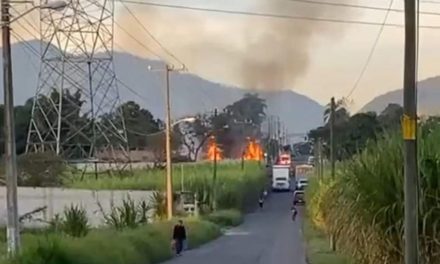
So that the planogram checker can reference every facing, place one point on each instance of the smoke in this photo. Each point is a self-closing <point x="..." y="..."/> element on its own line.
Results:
<point x="252" y="52"/>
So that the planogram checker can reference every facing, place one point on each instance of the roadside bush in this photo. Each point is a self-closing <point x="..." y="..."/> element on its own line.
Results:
<point x="74" y="222"/>
<point x="143" y="245"/>
<point x="159" y="205"/>
<point x="40" y="170"/>
<point x="225" y="217"/>
<point x="364" y="205"/>
<point x="130" y="214"/>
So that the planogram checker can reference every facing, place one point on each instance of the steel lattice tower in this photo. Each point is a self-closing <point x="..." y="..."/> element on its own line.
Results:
<point x="76" y="106"/>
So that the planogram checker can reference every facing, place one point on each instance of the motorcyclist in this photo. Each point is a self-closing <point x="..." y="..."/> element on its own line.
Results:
<point x="294" y="212"/>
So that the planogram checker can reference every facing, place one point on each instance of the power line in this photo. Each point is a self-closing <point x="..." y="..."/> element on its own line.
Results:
<point x="370" y="55"/>
<point x="376" y="8"/>
<point x="138" y="41"/>
<point x="151" y="35"/>
<point x="271" y="15"/>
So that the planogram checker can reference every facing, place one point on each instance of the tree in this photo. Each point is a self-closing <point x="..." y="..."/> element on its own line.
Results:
<point x="22" y="118"/>
<point x="250" y="109"/>
<point x="391" y="116"/>
<point x="341" y="112"/>
<point x="351" y="134"/>
<point x="139" y="122"/>
<point x="194" y="135"/>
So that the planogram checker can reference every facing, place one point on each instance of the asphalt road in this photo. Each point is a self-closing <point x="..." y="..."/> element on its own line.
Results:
<point x="267" y="236"/>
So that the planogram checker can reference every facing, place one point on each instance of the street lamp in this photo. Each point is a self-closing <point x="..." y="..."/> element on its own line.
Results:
<point x="175" y="123"/>
<point x="12" y="229"/>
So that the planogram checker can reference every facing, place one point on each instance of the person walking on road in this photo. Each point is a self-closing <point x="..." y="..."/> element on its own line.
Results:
<point x="179" y="237"/>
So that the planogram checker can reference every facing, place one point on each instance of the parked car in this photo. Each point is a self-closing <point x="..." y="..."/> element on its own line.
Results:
<point x="302" y="183"/>
<point x="298" y="198"/>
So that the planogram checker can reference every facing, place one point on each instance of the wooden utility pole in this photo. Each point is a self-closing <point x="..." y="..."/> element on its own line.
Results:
<point x="409" y="127"/>
<point x="332" y="136"/>
<point x="12" y="225"/>
<point x="214" y="171"/>
<point x="169" y="176"/>
<point x="318" y="158"/>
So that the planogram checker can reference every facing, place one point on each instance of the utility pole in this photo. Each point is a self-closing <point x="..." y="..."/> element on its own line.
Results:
<point x="12" y="229"/>
<point x="332" y="155"/>
<point x="409" y="127"/>
<point x="169" y="176"/>
<point x="317" y="153"/>
<point x="321" y="160"/>
<point x="214" y="171"/>
<point x="332" y="136"/>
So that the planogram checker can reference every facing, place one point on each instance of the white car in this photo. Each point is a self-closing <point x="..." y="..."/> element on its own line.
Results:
<point x="301" y="184"/>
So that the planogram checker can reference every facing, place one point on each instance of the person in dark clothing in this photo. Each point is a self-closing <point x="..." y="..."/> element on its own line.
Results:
<point x="179" y="237"/>
<point x="261" y="202"/>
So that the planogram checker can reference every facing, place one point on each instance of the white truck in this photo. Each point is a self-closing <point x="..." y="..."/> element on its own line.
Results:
<point x="281" y="178"/>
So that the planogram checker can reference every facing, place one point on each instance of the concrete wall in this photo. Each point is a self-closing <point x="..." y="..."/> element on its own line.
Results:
<point x="57" y="199"/>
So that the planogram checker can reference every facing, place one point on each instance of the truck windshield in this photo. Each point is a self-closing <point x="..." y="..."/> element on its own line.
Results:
<point x="280" y="179"/>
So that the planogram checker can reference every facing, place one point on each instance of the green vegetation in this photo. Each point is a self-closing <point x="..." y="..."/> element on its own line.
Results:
<point x="225" y="218"/>
<point x="237" y="188"/>
<point x="129" y="235"/>
<point x="130" y="214"/>
<point x="74" y="222"/>
<point x="318" y="250"/>
<point x="364" y="206"/>
<point x="353" y="132"/>
<point x="143" y="245"/>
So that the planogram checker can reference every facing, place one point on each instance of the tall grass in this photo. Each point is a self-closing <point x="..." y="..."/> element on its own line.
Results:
<point x="143" y="245"/>
<point x="364" y="206"/>
<point x="236" y="188"/>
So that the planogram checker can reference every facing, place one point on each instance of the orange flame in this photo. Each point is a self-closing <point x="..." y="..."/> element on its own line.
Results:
<point x="253" y="151"/>
<point x="214" y="150"/>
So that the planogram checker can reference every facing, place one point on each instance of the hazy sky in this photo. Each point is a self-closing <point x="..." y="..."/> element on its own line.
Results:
<point x="336" y="52"/>
<point x="313" y="58"/>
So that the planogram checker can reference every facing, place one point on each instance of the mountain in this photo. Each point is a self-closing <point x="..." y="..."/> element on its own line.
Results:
<point x="190" y="94"/>
<point x="428" y="98"/>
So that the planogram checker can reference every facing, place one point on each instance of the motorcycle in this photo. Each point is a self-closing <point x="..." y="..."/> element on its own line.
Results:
<point x="294" y="213"/>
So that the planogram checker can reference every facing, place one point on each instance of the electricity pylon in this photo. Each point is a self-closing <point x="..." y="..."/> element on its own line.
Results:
<point x="76" y="111"/>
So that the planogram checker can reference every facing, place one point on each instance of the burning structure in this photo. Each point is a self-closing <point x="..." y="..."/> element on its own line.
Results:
<point x="253" y="150"/>
<point x="214" y="151"/>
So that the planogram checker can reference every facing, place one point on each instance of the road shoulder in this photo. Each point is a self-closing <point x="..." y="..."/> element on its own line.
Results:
<point x="317" y="247"/>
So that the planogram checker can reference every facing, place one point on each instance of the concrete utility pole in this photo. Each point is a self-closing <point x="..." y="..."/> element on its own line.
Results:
<point x="169" y="176"/>
<point x="214" y="170"/>
<point x="12" y="229"/>
<point x="409" y="127"/>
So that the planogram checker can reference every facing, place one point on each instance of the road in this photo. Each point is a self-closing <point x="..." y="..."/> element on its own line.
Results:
<point x="267" y="236"/>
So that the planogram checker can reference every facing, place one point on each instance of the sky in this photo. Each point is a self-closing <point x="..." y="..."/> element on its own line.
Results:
<point x="316" y="59"/>
<point x="336" y="53"/>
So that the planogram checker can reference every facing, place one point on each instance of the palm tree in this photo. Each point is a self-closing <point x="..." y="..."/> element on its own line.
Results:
<point x="341" y="112"/>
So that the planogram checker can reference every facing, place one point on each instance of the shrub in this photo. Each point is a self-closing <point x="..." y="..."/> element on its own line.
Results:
<point x="225" y="217"/>
<point x="159" y="205"/>
<point x="74" y="222"/>
<point x="129" y="214"/>
<point x="40" y="169"/>
<point x="143" y="245"/>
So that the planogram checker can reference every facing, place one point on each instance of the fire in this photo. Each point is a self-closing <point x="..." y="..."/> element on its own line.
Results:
<point x="214" y="150"/>
<point x="253" y="151"/>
